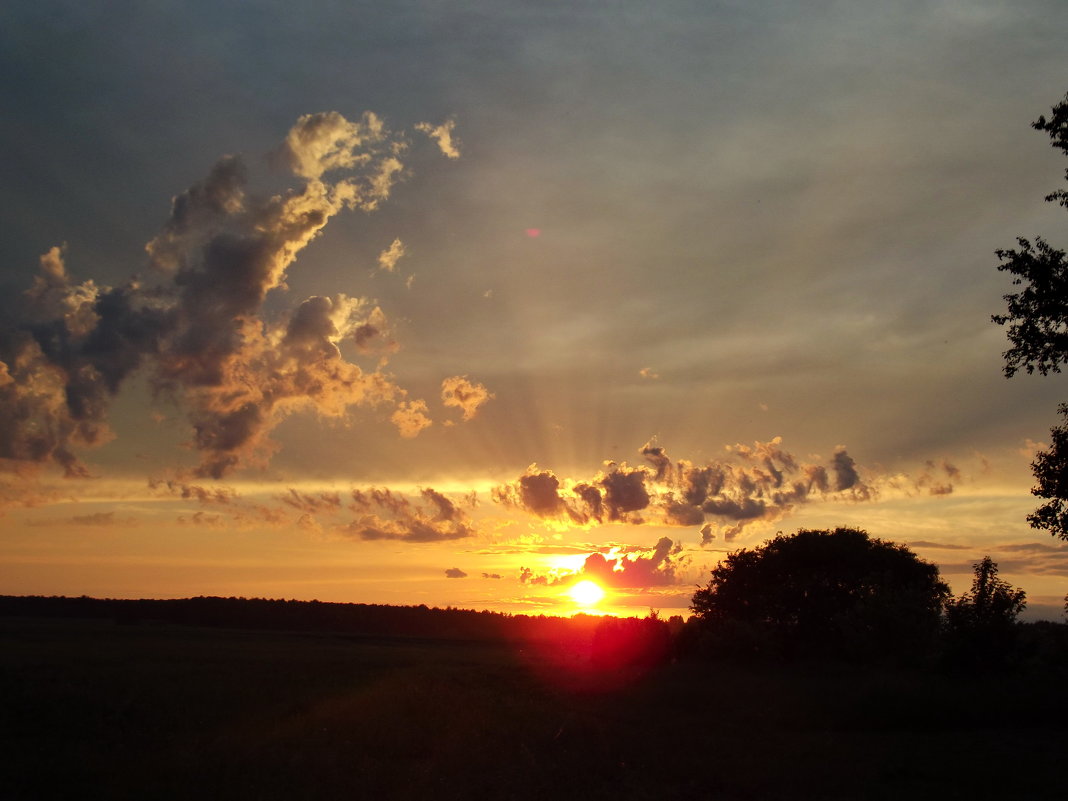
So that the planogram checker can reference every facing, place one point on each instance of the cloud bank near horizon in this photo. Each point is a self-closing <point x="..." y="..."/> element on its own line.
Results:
<point x="758" y="483"/>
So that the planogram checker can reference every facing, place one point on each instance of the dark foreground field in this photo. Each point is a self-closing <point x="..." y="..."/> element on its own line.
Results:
<point x="91" y="709"/>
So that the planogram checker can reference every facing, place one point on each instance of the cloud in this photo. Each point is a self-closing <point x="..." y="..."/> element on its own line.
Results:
<point x="937" y="545"/>
<point x="455" y="572"/>
<point x="388" y="258"/>
<point x="410" y="418"/>
<point x="938" y="478"/>
<point x="205" y="495"/>
<point x="327" y="141"/>
<point x="385" y="515"/>
<point x="460" y="393"/>
<point x="761" y="482"/>
<point x="92" y="520"/>
<point x="442" y="134"/>
<point x="492" y="576"/>
<point x="312" y="503"/>
<point x="648" y="373"/>
<point x="61" y="363"/>
<point x="1024" y="558"/>
<point x="643" y="568"/>
<point x="202" y="325"/>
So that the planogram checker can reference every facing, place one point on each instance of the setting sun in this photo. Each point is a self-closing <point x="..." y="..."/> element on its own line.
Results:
<point x="586" y="593"/>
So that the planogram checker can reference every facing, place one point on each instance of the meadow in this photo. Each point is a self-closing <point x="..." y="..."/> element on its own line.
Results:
<point x="95" y="708"/>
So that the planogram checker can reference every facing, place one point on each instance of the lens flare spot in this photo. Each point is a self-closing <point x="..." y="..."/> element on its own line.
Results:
<point x="586" y="593"/>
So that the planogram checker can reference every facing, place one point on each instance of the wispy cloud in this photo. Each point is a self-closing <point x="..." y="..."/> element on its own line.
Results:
<point x="385" y="515"/>
<point x="443" y="135"/>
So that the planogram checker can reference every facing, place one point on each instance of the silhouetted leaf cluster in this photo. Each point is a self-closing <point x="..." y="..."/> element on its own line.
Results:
<point x="1051" y="470"/>
<point x="1037" y="317"/>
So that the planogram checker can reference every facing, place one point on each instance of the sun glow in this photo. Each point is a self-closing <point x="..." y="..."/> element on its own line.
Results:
<point x="586" y="593"/>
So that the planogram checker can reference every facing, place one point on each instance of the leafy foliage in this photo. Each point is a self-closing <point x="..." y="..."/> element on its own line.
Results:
<point x="827" y="593"/>
<point x="1037" y="317"/>
<point x="1051" y="469"/>
<point x="1038" y="314"/>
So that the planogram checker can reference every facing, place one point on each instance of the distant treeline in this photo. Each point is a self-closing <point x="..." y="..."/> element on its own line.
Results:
<point x="291" y="615"/>
<point x="620" y="640"/>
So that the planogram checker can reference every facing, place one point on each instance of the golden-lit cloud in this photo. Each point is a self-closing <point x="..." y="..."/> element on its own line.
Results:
<point x="642" y="568"/>
<point x="202" y="326"/>
<point x="410" y="418"/>
<point x="461" y="393"/>
<point x="388" y="258"/>
<point x="443" y="135"/>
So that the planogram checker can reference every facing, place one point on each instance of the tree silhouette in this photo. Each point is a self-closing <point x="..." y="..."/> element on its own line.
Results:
<point x="1038" y="329"/>
<point x="982" y="622"/>
<point x="990" y="602"/>
<point x="827" y="593"/>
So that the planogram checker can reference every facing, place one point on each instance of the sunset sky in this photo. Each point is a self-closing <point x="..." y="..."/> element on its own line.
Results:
<point x="463" y="303"/>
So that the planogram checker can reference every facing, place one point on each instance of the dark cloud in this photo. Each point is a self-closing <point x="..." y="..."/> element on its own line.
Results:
<point x="492" y="576"/>
<point x="937" y="478"/>
<point x="205" y="495"/>
<point x="312" y="503"/>
<point x="762" y="482"/>
<point x="62" y="362"/>
<point x="455" y="572"/>
<point x="656" y="456"/>
<point x="845" y="470"/>
<point x="385" y="515"/>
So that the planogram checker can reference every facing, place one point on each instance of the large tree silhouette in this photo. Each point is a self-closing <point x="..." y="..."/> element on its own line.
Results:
<point x="827" y="593"/>
<point x="1037" y="319"/>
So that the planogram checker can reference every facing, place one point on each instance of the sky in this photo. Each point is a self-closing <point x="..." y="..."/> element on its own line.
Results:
<point x="460" y="303"/>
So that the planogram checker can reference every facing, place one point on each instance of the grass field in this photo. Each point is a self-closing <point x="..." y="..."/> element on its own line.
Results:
<point x="92" y="709"/>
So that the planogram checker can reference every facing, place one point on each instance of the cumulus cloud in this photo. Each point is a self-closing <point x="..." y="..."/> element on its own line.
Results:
<point x="455" y="572"/>
<point x="202" y="324"/>
<point x="410" y="418"/>
<point x="385" y="515"/>
<point x="759" y="482"/>
<point x="442" y="134"/>
<point x="459" y="392"/>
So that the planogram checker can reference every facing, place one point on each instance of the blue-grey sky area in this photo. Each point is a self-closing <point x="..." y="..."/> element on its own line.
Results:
<point x="620" y="241"/>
